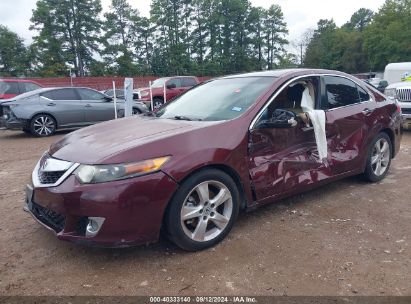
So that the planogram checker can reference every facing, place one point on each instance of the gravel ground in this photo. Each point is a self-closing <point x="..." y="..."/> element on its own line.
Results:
<point x="347" y="238"/>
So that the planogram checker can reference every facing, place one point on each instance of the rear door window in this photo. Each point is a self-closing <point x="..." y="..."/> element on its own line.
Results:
<point x="340" y="92"/>
<point x="86" y="94"/>
<point x="48" y="95"/>
<point x="9" y="87"/>
<point x="29" y="86"/>
<point x="61" y="94"/>
<point x="364" y="96"/>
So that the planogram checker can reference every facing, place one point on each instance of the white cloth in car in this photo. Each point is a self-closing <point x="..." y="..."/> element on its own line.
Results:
<point x="317" y="118"/>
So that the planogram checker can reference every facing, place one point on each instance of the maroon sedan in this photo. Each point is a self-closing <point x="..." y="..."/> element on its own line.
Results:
<point x="229" y="144"/>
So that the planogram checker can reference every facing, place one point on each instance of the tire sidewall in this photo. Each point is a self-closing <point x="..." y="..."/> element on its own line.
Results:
<point x="173" y="217"/>
<point x="369" y="172"/>
<point x="32" y="130"/>
<point x="136" y="111"/>
<point x="157" y="103"/>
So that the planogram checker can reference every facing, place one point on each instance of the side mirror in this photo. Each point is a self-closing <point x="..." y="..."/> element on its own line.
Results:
<point x="281" y="119"/>
<point x="171" y="86"/>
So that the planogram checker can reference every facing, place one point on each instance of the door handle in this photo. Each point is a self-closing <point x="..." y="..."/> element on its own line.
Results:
<point x="51" y="104"/>
<point x="88" y="105"/>
<point x="367" y="111"/>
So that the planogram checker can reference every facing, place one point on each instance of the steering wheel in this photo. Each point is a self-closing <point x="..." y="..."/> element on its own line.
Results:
<point x="284" y="118"/>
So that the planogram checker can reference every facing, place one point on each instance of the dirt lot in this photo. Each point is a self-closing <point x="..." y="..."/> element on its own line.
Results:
<point x="348" y="238"/>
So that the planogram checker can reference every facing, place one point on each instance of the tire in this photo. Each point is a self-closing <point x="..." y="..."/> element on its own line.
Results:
<point x="157" y="103"/>
<point x="197" y="198"/>
<point x="379" y="158"/>
<point x="136" y="111"/>
<point x="43" y="125"/>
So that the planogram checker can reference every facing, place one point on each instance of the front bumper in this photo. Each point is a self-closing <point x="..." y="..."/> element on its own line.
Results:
<point x="133" y="209"/>
<point x="406" y="114"/>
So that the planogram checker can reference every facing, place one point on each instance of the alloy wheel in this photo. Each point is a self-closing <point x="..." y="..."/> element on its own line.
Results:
<point x="206" y="211"/>
<point x="44" y="125"/>
<point x="157" y="104"/>
<point x="380" y="158"/>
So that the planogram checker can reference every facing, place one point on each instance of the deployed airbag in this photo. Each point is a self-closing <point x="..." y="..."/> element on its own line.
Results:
<point x="317" y="118"/>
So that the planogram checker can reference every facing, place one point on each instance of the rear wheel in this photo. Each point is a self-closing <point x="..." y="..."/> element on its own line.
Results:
<point x="43" y="125"/>
<point x="203" y="211"/>
<point x="136" y="111"/>
<point x="379" y="158"/>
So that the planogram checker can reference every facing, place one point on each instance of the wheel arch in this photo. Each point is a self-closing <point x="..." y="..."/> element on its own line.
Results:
<point x="391" y="135"/>
<point x="222" y="167"/>
<point x="230" y="172"/>
<point x="44" y="113"/>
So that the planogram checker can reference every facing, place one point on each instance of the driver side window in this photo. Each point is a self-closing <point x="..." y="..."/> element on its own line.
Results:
<point x="290" y="98"/>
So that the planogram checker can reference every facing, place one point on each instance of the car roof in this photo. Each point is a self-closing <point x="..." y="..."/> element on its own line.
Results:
<point x="169" y="77"/>
<point x="283" y="72"/>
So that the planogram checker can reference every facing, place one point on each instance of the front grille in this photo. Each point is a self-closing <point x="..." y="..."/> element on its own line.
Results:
<point x="406" y="110"/>
<point x="48" y="217"/>
<point x="404" y="95"/>
<point x="48" y="178"/>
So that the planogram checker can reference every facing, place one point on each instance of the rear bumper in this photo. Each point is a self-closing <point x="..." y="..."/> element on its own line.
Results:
<point x="12" y="123"/>
<point x="132" y="209"/>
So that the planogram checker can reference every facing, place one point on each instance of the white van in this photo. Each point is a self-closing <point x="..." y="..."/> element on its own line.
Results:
<point x="395" y="71"/>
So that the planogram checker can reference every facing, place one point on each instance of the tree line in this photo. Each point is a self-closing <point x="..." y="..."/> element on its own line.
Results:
<point x="201" y="37"/>
<point x="367" y="42"/>
<point x="197" y="37"/>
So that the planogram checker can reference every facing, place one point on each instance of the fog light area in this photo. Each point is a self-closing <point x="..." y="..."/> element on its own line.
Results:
<point x="94" y="225"/>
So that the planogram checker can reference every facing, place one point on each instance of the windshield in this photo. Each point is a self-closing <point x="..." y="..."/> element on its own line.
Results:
<point x="159" y="83"/>
<point x="217" y="100"/>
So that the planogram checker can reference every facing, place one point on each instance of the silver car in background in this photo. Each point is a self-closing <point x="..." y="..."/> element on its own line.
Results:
<point x="42" y="112"/>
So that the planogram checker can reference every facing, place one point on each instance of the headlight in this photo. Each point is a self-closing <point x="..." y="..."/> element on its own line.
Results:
<point x="392" y="93"/>
<point x="87" y="174"/>
<point x="145" y="93"/>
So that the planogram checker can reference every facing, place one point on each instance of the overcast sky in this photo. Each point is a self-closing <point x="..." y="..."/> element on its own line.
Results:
<point x="299" y="14"/>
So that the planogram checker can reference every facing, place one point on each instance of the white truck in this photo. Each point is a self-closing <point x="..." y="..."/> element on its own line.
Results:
<point x="400" y="90"/>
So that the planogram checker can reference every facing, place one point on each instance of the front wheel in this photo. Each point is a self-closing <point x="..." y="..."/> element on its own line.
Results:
<point x="379" y="158"/>
<point x="203" y="211"/>
<point x="43" y="125"/>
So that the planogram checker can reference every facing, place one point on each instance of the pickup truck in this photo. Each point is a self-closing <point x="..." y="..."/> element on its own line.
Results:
<point x="401" y="91"/>
<point x="174" y="86"/>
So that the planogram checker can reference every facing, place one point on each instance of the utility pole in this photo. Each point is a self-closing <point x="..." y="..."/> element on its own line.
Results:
<point x="301" y="58"/>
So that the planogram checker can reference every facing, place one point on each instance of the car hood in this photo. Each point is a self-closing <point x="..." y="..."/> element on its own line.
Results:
<point x="122" y="140"/>
<point x="399" y="85"/>
<point x="142" y="89"/>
